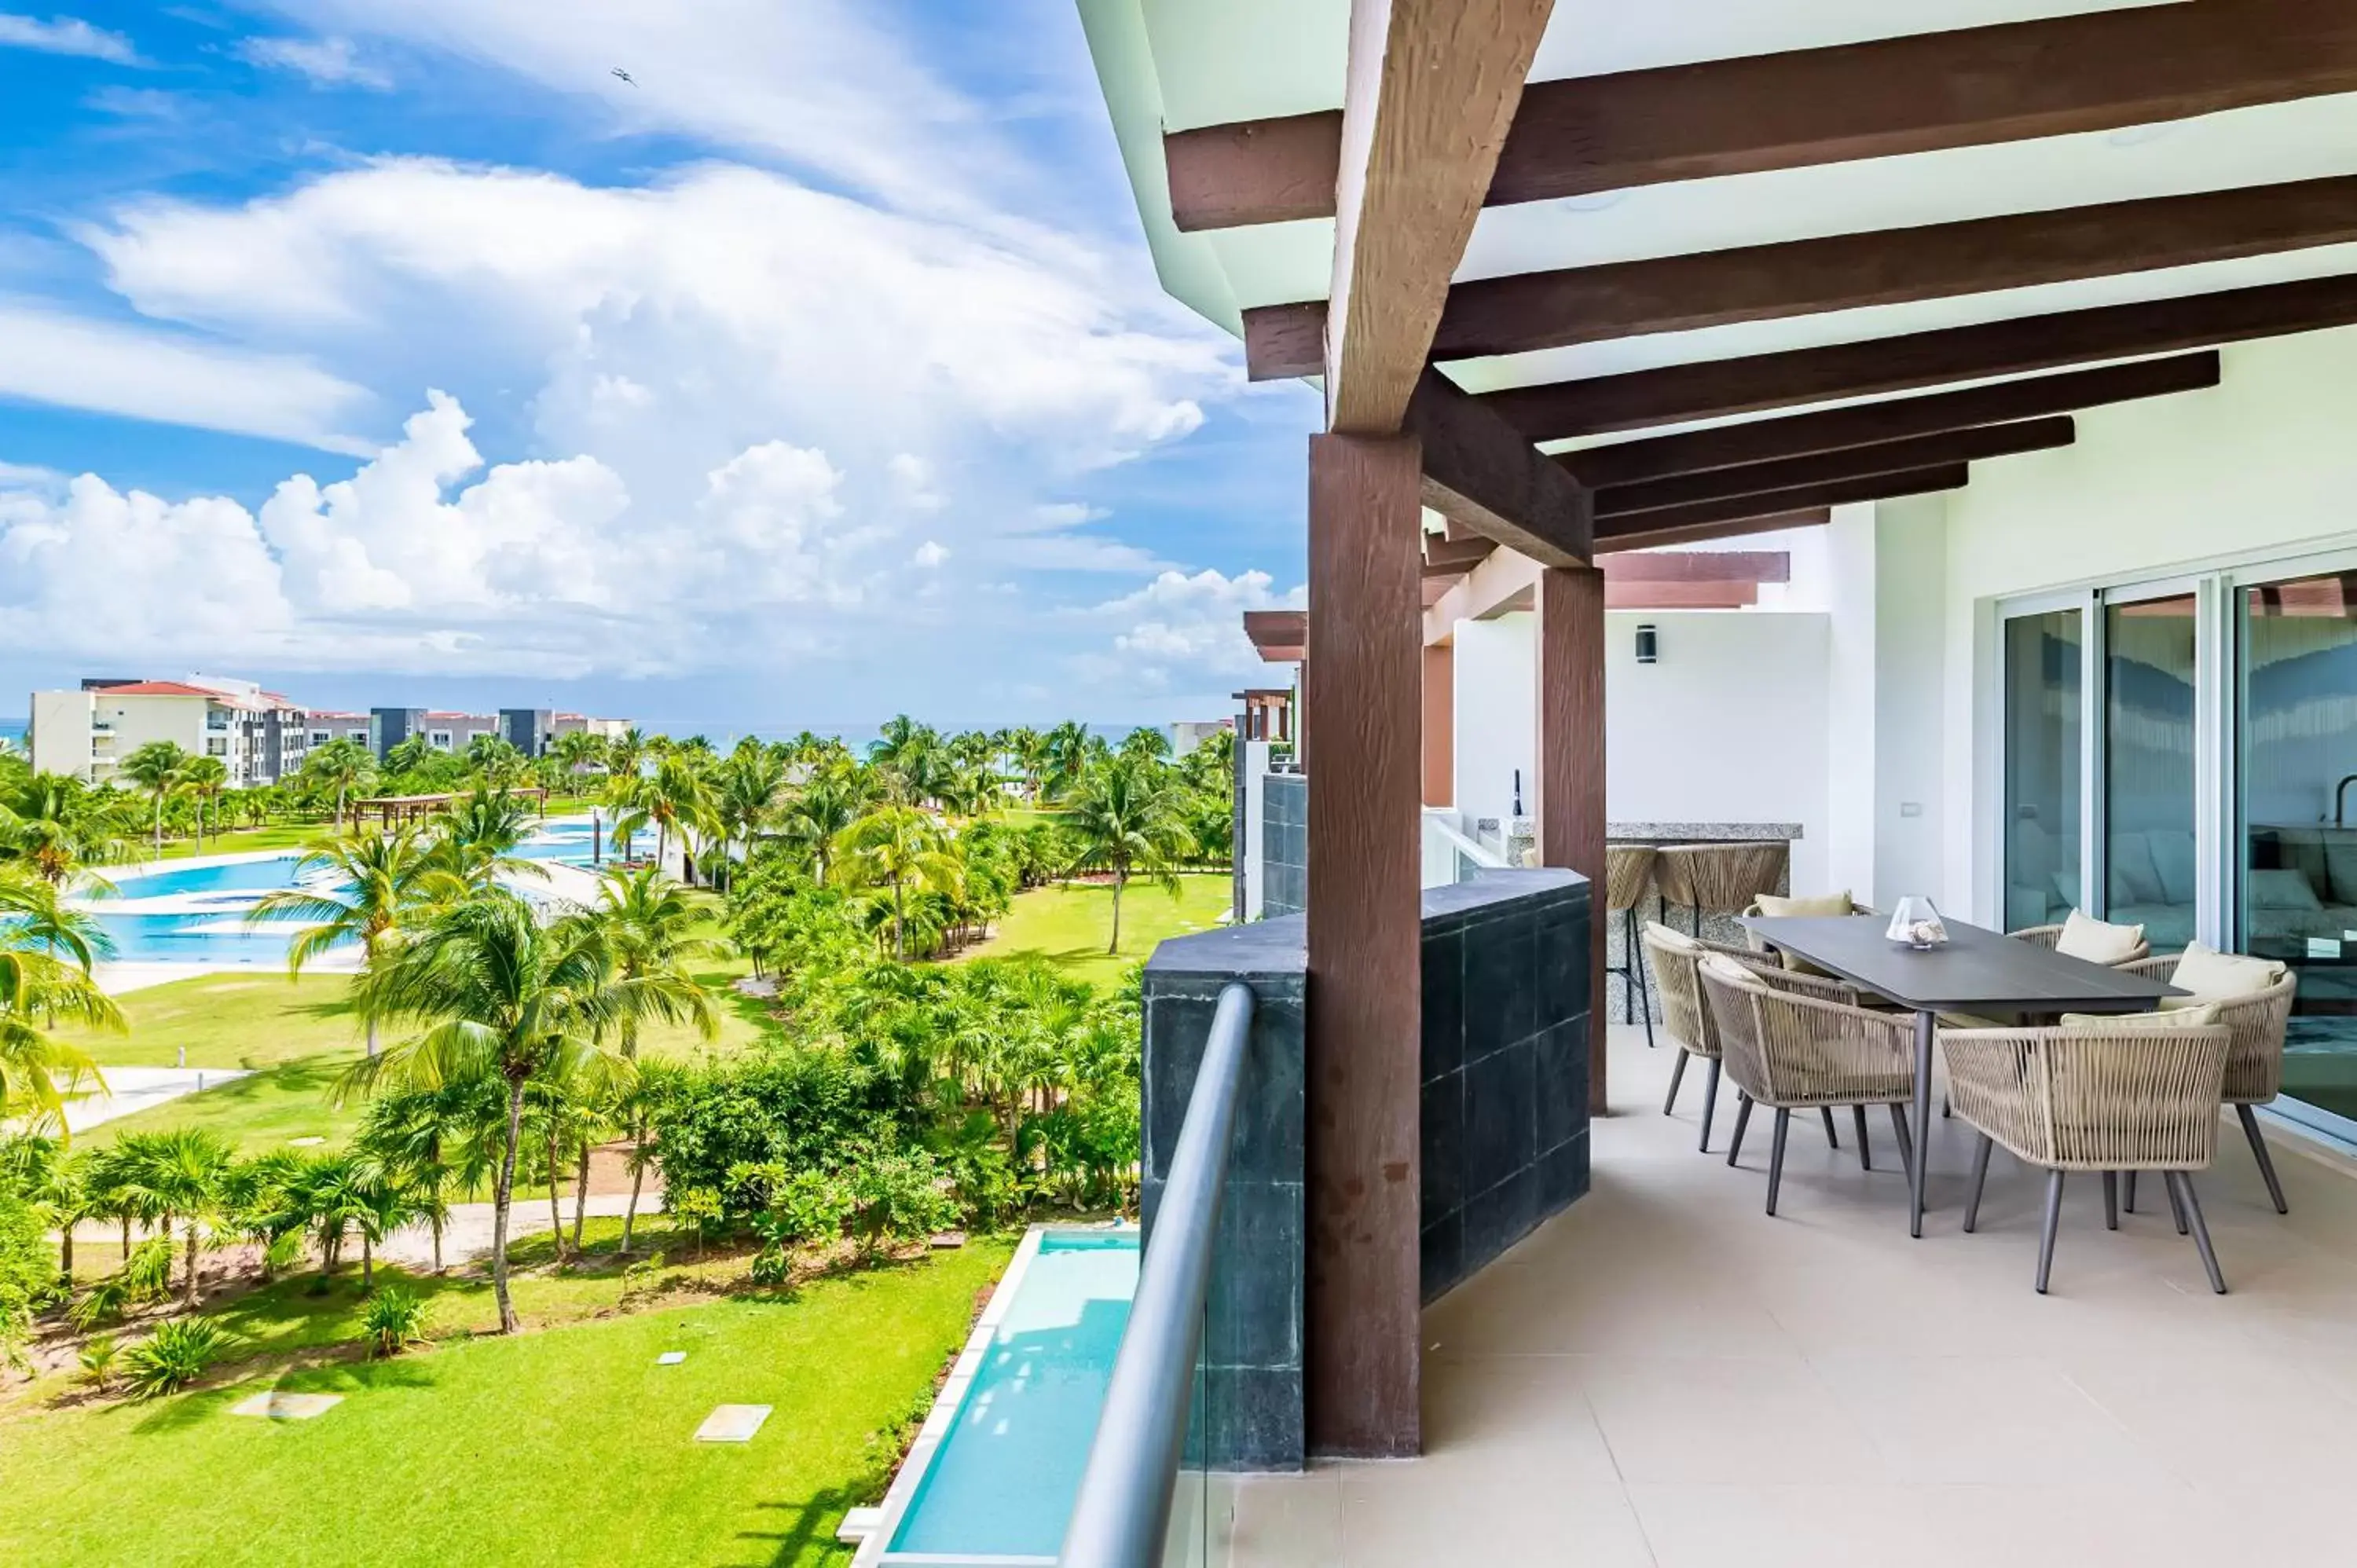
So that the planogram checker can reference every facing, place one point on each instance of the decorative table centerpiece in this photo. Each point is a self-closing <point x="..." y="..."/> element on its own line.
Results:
<point x="1917" y="925"/>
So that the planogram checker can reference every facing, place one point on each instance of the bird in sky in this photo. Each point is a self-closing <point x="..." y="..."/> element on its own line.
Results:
<point x="623" y="76"/>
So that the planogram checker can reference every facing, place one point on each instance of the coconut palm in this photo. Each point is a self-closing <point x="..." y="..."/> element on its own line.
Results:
<point x="204" y="778"/>
<point x="901" y="848"/>
<point x="478" y="835"/>
<point x="578" y="751"/>
<point x="342" y="765"/>
<point x="160" y="767"/>
<point x="1129" y="815"/>
<point x="749" y="786"/>
<point x="58" y="825"/>
<point x="676" y="798"/>
<point x="358" y="889"/>
<point x="46" y="953"/>
<point x="504" y="999"/>
<point x="819" y="812"/>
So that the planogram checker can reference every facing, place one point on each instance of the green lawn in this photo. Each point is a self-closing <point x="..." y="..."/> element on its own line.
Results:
<point x="237" y="841"/>
<point x="564" y="1446"/>
<point x="1069" y="922"/>
<point x="296" y="1035"/>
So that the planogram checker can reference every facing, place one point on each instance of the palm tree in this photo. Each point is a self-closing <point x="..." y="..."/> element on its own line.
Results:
<point x="205" y="778"/>
<point x="820" y="811"/>
<point x="578" y="751"/>
<point x="899" y="847"/>
<point x="409" y="753"/>
<point x="160" y="767"/>
<point x="439" y="1140"/>
<point x="1026" y="749"/>
<point x="360" y="889"/>
<point x="46" y="953"/>
<point x="58" y="825"/>
<point x="1129" y="815"/>
<point x="478" y="836"/>
<point x="504" y="999"/>
<point x="1147" y="742"/>
<point x="343" y="765"/>
<point x="750" y="784"/>
<point x="677" y="799"/>
<point x="180" y="1175"/>
<point x="1067" y="751"/>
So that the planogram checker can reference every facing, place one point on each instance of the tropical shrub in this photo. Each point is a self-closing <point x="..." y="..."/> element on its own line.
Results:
<point x="898" y="1198"/>
<point x="28" y="1271"/>
<point x="173" y="1357"/>
<point x="394" y="1320"/>
<point x="786" y="1110"/>
<point x="99" y="1358"/>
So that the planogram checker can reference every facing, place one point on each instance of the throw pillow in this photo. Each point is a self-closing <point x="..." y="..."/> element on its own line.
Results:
<point x="2098" y="941"/>
<point x="1777" y="906"/>
<point x="1669" y="937"/>
<point x="2134" y="878"/>
<point x="1725" y="967"/>
<point x="2214" y="976"/>
<point x="2282" y="889"/>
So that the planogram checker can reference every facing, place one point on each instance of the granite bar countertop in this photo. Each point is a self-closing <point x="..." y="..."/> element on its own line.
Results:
<point x="1698" y="832"/>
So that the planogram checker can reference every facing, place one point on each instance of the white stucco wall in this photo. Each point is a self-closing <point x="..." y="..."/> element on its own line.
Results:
<point x="1497" y="713"/>
<point x="2265" y="464"/>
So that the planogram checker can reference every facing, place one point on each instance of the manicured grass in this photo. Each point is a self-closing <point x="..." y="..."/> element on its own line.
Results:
<point x="1069" y="923"/>
<point x="237" y="841"/>
<point x="564" y="1446"/>
<point x="296" y="1034"/>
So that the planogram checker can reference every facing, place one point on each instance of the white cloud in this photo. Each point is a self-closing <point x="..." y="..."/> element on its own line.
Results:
<point x="931" y="552"/>
<point x="1178" y="628"/>
<point x="327" y="62"/>
<point x="30" y="476"/>
<point x="175" y="377"/>
<point x="65" y="36"/>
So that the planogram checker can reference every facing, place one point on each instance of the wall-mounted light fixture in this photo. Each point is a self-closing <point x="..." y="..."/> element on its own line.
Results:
<point x="1649" y="645"/>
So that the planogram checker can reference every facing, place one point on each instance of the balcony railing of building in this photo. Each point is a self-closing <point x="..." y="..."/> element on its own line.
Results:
<point x="1122" y="1516"/>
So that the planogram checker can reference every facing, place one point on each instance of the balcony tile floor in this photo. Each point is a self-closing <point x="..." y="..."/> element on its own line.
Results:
<point x="1665" y="1376"/>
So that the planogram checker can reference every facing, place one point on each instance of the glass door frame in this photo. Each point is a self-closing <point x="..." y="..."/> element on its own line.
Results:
<point x="2088" y="603"/>
<point x="2214" y="834"/>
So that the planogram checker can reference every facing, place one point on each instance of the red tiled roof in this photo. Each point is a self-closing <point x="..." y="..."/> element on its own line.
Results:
<point x="159" y="688"/>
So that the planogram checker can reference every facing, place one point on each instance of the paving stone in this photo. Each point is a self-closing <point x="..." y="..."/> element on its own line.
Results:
<point x="732" y="1423"/>
<point x="277" y="1405"/>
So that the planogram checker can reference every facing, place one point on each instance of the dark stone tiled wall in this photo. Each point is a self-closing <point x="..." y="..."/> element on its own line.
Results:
<point x="1505" y="1109"/>
<point x="1249" y="1400"/>
<point x="1505" y="1064"/>
<point x="1285" y="843"/>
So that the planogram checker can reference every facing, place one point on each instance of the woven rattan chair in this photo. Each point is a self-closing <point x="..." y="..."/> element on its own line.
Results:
<point x="1790" y="1050"/>
<point x="1717" y="878"/>
<point x="2047" y="936"/>
<point x="1627" y="876"/>
<point x="2255" y="1065"/>
<point x="2123" y="1097"/>
<point x="1676" y="958"/>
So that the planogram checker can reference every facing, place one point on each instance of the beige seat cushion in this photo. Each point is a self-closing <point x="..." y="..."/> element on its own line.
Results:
<point x="1725" y="967"/>
<point x="2098" y="941"/>
<point x="1778" y="906"/>
<point x="2195" y="1015"/>
<point x="2214" y="976"/>
<point x="1675" y="941"/>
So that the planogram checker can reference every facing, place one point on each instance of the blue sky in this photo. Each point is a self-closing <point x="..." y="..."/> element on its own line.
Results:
<point x="395" y="351"/>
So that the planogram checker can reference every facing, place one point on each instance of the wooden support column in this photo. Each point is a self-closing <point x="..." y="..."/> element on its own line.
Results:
<point x="1571" y="811"/>
<point x="1440" y="725"/>
<point x="1362" y="695"/>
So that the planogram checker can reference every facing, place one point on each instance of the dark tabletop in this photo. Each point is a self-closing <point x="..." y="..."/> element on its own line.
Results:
<point x="1977" y="971"/>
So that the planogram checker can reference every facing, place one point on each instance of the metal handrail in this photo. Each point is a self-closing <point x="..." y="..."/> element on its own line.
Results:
<point x="1123" y="1513"/>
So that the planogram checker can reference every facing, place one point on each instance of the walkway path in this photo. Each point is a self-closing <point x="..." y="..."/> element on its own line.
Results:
<point x="133" y="1089"/>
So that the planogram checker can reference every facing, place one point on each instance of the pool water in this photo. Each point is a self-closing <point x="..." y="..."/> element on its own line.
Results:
<point x="1003" y="1482"/>
<point x="196" y="914"/>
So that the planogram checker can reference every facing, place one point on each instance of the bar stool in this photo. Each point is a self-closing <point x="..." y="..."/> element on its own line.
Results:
<point x="1628" y="873"/>
<point x="1717" y="878"/>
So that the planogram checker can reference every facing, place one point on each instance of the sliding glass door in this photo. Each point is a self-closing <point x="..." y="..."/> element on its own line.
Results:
<point x="2044" y="675"/>
<point x="2296" y="738"/>
<point x="2151" y="802"/>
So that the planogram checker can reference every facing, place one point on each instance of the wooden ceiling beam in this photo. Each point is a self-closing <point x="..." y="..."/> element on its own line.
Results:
<point x="1442" y="552"/>
<point x="1715" y="389"/>
<point x="1430" y="90"/>
<point x="1666" y="525"/>
<point x="1535" y="311"/>
<point x="1968" y="87"/>
<point x="1829" y="468"/>
<point x="1701" y="532"/>
<point x="1483" y="475"/>
<point x="1701" y="566"/>
<point x="1866" y="424"/>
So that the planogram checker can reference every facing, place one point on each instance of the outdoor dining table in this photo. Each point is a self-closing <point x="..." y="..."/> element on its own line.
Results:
<point x="1975" y="971"/>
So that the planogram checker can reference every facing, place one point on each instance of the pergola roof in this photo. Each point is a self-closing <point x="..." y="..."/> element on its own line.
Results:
<point x="1677" y="216"/>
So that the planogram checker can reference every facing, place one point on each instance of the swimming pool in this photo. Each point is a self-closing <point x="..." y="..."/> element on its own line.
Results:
<point x="995" y="1481"/>
<point x="196" y="914"/>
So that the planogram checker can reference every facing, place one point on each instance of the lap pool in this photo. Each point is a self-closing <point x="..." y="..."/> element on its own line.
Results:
<point x="992" y="1476"/>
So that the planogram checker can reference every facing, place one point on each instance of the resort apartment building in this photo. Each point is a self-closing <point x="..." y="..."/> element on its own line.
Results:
<point x="259" y="736"/>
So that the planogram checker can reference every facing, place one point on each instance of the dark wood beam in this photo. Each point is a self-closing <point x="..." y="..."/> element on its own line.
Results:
<point x="1569" y="808"/>
<point x="1969" y="86"/>
<point x="1482" y="474"/>
<point x="1430" y="90"/>
<point x="1608" y="549"/>
<point x="1715" y="389"/>
<point x="1363" y="711"/>
<point x="1828" y="467"/>
<point x="1280" y="637"/>
<point x="1535" y="311"/>
<point x="1443" y="551"/>
<point x="1698" y="596"/>
<point x="1866" y="425"/>
<point x="1444" y="571"/>
<point x="1701" y="566"/>
<point x="1669" y="525"/>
